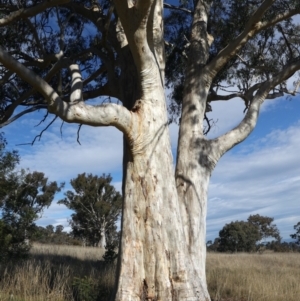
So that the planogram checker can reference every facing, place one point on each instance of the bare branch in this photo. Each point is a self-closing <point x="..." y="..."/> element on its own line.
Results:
<point x="174" y="7"/>
<point x="216" y="97"/>
<point x="60" y="129"/>
<point x="17" y="116"/>
<point x="30" y="11"/>
<point x="44" y="130"/>
<point x="78" y="131"/>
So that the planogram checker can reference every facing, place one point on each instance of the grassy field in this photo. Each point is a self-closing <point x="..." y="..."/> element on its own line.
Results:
<point x="61" y="273"/>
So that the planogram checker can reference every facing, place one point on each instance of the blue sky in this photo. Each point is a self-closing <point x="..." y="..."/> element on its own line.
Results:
<point x="259" y="176"/>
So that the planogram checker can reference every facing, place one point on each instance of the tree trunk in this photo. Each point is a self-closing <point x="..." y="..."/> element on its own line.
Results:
<point x="154" y="262"/>
<point x="102" y="241"/>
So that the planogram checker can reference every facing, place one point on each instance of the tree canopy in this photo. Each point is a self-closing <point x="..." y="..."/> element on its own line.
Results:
<point x="241" y="236"/>
<point x="251" y="46"/>
<point x="238" y="236"/>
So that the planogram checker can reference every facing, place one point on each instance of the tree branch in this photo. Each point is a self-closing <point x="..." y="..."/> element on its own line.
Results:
<point x="242" y="131"/>
<point x="30" y="11"/>
<point x="17" y="116"/>
<point x="251" y="28"/>
<point x="72" y="112"/>
<point x="174" y="7"/>
<point x="134" y="17"/>
<point x="216" y="97"/>
<point x="280" y="17"/>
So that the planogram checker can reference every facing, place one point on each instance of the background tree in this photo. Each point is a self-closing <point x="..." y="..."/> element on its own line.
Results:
<point x="57" y="54"/>
<point x="265" y="226"/>
<point x="97" y="207"/>
<point x="23" y="196"/>
<point x="213" y="246"/>
<point x="24" y="201"/>
<point x="238" y="236"/>
<point x="297" y="234"/>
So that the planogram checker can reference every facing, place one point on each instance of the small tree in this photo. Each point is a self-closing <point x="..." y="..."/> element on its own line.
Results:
<point x="25" y="196"/>
<point x="238" y="236"/>
<point x="97" y="207"/>
<point x="297" y="234"/>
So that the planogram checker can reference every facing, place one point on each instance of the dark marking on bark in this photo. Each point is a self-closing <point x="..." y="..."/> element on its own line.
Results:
<point x="194" y="120"/>
<point x="144" y="291"/>
<point x="137" y="107"/>
<point x="173" y="292"/>
<point x="148" y="214"/>
<point x="144" y="187"/>
<point x="191" y="108"/>
<point x="168" y="254"/>
<point x="145" y="295"/>
<point x="155" y="181"/>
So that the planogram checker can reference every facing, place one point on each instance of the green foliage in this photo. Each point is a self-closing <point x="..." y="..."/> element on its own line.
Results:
<point x="238" y="236"/>
<point x="97" y="207"/>
<point x="265" y="226"/>
<point x="88" y="289"/>
<point x="84" y="289"/>
<point x="23" y="196"/>
<point x="213" y="246"/>
<point x="297" y="234"/>
<point x="241" y="236"/>
<point x="110" y="254"/>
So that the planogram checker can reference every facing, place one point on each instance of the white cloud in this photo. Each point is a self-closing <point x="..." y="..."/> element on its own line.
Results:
<point x="63" y="158"/>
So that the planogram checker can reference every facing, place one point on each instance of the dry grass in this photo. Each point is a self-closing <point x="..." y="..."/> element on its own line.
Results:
<point x="254" y="277"/>
<point x="57" y="273"/>
<point x="87" y="253"/>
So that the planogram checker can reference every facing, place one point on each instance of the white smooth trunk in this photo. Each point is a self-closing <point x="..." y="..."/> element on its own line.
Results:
<point x="154" y="262"/>
<point x="102" y="242"/>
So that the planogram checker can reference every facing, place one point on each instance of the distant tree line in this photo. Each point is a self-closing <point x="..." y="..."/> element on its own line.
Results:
<point x="257" y="234"/>
<point x="24" y="195"/>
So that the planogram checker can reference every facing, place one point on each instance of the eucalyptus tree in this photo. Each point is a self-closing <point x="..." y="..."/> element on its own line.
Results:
<point x="96" y="205"/>
<point x="57" y="54"/>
